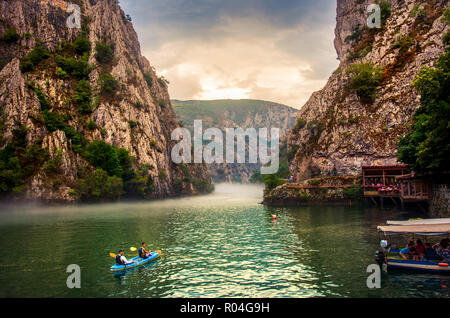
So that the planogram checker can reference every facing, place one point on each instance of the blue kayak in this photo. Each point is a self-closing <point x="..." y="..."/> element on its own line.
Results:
<point x="138" y="261"/>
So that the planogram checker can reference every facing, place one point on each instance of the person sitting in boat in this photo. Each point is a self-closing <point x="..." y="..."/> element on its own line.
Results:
<point x="143" y="253"/>
<point x="445" y="254"/>
<point x="409" y="253"/>
<point x="420" y="248"/>
<point x="121" y="259"/>
<point x="430" y="254"/>
<point x="439" y="247"/>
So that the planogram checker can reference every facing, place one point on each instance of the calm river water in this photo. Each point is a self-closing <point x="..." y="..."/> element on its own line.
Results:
<point x="220" y="245"/>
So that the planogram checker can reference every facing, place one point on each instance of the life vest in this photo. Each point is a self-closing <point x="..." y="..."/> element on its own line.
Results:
<point x="141" y="252"/>
<point x="119" y="260"/>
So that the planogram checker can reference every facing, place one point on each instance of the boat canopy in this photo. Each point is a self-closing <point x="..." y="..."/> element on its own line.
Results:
<point x="419" y="229"/>
<point x="420" y="222"/>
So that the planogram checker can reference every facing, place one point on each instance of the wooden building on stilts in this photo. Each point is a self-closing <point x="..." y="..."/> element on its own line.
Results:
<point x="395" y="184"/>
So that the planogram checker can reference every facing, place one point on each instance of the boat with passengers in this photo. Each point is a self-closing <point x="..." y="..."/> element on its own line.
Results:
<point x="427" y="230"/>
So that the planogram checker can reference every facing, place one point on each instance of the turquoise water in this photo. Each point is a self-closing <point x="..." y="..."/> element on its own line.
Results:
<point x="220" y="245"/>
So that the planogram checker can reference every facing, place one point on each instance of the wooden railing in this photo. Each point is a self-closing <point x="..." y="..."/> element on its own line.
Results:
<point x="298" y="186"/>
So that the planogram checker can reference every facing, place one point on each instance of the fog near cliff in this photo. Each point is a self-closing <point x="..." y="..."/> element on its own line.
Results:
<point x="226" y="195"/>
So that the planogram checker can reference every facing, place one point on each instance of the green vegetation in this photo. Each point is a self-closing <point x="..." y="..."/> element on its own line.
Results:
<point x="82" y="45"/>
<point x="61" y="73"/>
<point x="10" y="36"/>
<point x="305" y="196"/>
<point x="353" y="120"/>
<point x="446" y="16"/>
<point x="104" y="52"/>
<point x="33" y="58"/>
<point x="162" y="174"/>
<point x="403" y="43"/>
<point x="162" y="103"/>
<point x="418" y="11"/>
<point x="115" y="166"/>
<point x="115" y="161"/>
<point x="186" y="173"/>
<point x="132" y="123"/>
<point x="18" y="162"/>
<point x="108" y="84"/>
<point x="385" y="7"/>
<point x="114" y="175"/>
<point x="148" y="79"/>
<point x="292" y="152"/>
<point x="353" y="193"/>
<point x="446" y="19"/>
<point x="82" y="97"/>
<point x="99" y="186"/>
<point x="163" y="81"/>
<point x="365" y="78"/>
<point x="365" y="51"/>
<point x="141" y="185"/>
<point x="91" y="125"/>
<point x="426" y="146"/>
<point x="202" y="185"/>
<point x="356" y="35"/>
<point x="178" y="186"/>
<point x="272" y="181"/>
<point x="56" y="121"/>
<point x="80" y="68"/>
<point x="53" y="166"/>
<point x="299" y="124"/>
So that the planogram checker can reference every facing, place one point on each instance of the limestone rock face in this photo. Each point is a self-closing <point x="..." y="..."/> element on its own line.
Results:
<point x="243" y="113"/>
<point x="143" y="101"/>
<point x="242" y="172"/>
<point x="340" y="132"/>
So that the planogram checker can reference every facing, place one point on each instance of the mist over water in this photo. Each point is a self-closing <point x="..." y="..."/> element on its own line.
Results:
<point x="220" y="245"/>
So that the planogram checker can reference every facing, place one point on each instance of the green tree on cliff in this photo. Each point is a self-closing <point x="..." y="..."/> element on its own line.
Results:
<point x="427" y="146"/>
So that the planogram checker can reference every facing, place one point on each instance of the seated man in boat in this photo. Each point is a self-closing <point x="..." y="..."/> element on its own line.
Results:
<point x="122" y="260"/>
<point x="445" y="254"/>
<point x="409" y="253"/>
<point x="143" y="253"/>
<point x="439" y="247"/>
<point x="430" y="254"/>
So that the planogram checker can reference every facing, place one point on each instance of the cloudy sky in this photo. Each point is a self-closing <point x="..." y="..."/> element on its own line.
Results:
<point x="276" y="50"/>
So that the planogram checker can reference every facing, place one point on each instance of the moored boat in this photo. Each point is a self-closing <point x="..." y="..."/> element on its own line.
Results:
<point x="426" y="228"/>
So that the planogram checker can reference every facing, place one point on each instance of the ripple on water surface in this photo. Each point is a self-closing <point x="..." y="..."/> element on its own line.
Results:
<point x="220" y="245"/>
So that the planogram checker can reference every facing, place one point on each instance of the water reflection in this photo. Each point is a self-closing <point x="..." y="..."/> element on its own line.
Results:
<point x="220" y="245"/>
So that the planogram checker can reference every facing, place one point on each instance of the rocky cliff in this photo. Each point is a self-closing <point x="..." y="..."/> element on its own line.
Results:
<point x="244" y="113"/>
<point x="78" y="98"/>
<point x="367" y="103"/>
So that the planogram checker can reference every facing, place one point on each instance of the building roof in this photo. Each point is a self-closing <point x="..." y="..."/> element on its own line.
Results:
<point x="420" y="221"/>
<point x="421" y="229"/>
<point x="399" y="166"/>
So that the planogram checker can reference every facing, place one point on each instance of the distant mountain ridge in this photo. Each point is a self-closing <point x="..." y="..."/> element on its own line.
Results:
<point x="243" y="113"/>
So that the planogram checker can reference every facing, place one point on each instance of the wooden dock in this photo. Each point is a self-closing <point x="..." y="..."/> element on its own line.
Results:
<point x="407" y="189"/>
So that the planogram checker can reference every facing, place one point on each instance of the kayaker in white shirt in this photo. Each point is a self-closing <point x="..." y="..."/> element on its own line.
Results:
<point x="122" y="260"/>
